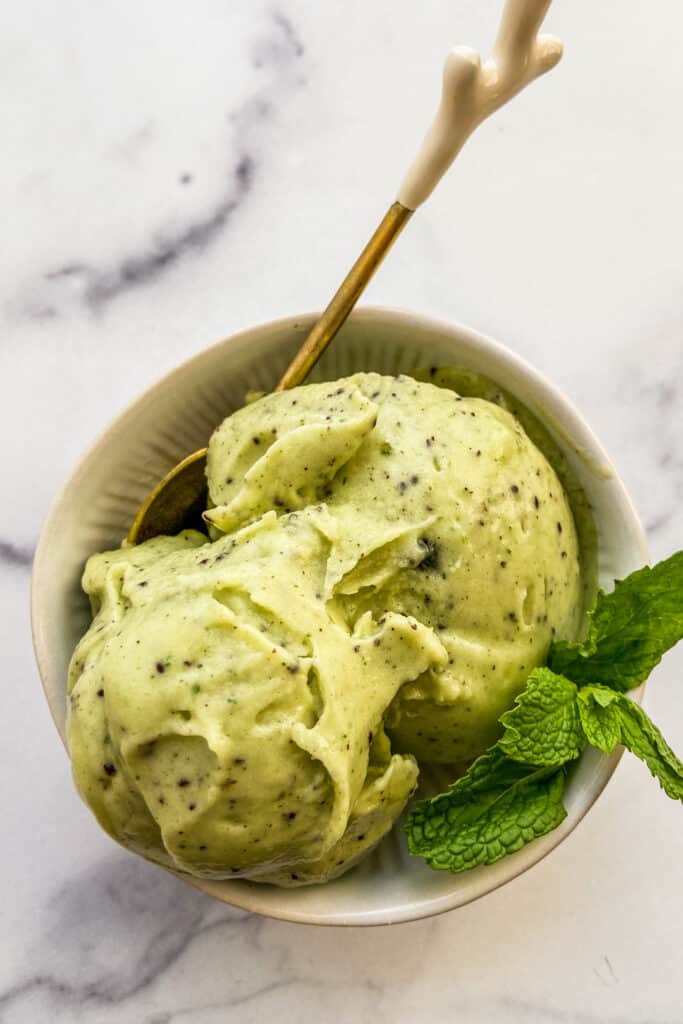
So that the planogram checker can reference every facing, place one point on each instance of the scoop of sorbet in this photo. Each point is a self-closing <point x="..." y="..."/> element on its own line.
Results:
<point x="390" y="561"/>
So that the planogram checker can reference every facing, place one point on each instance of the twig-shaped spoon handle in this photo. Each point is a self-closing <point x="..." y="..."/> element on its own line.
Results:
<point x="470" y="93"/>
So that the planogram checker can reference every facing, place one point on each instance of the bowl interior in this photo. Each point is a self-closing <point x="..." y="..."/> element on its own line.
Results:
<point x="176" y="416"/>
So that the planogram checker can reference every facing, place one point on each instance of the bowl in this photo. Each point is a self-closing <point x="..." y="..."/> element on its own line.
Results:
<point x="176" y="416"/>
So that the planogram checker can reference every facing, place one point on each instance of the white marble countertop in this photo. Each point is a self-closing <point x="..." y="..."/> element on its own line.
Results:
<point x="172" y="172"/>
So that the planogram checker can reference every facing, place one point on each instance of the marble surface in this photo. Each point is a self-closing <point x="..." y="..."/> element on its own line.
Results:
<point x="172" y="172"/>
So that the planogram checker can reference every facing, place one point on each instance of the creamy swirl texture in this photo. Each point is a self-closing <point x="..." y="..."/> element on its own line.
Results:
<point x="389" y="561"/>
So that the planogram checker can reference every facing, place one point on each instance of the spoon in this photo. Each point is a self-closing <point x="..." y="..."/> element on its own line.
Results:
<point x="471" y="91"/>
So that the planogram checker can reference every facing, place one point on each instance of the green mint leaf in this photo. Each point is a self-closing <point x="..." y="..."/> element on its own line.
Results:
<point x="597" y="707"/>
<point x="609" y="718"/>
<point x="493" y="810"/>
<point x="629" y="629"/>
<point x="543" y="728"/>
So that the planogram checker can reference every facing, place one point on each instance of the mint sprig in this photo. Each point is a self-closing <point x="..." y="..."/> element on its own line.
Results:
<point x="512" y="794"/>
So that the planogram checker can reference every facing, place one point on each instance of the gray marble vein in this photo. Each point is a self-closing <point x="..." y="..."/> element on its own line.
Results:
<point x="222" y="1006"/>
<point x="277" y="51"/>
<point x="85" y="964"/>
<point x="15" y="555"/>
<point x="100" y="286"/>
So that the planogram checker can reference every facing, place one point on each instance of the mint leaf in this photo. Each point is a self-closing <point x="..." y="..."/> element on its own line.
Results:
<point x="629" y="629"/>
<point x="543" y="728"/>
<point x="600" y="717"/>
<point x="609" y="718"/>
<point x="493" y="810"/>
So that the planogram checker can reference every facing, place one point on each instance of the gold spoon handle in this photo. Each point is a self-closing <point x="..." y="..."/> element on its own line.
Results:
<point x="470" y="93"/>
<point x="346" y="297"/>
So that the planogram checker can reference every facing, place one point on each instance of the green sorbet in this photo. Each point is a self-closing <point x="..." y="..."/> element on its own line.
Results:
<point x="389" y="562"/>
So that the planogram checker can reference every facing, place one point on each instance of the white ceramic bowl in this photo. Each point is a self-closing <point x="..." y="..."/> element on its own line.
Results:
<point x="176" y="416"/>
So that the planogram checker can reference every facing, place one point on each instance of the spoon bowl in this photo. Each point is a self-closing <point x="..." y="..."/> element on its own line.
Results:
<point x="176" y="503"/>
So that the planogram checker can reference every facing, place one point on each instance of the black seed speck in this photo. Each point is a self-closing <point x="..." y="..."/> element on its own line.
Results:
<point x="160" y="667"/>
<point x="183" y="782"/>
<point x="431" y="557"/>
<point x="109" y="768"/>
<point x="515" y="489"/>
<point x="100" y="692"/>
